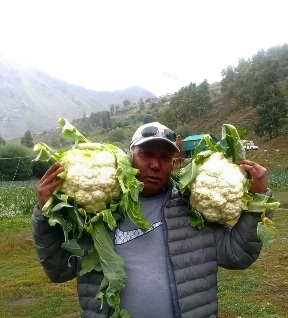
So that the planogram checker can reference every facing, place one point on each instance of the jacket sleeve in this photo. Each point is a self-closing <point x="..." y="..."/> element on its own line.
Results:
<point x="238" y="246"/>
<point x="57" y="263"/>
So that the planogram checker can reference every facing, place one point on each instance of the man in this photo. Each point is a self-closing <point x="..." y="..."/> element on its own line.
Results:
<point x="172" y="268"/>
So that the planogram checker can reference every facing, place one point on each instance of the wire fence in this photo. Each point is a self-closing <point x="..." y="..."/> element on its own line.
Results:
<point x="21" y="168"/>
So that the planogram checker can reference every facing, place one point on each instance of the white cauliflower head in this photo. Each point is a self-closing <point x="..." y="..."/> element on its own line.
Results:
<point x="218" y="189"/>
<point x="91" y="178"/>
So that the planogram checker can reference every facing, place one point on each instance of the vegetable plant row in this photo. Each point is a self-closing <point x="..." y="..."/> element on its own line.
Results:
<point x="17" y="197"/>
<point x="278" y="179"/>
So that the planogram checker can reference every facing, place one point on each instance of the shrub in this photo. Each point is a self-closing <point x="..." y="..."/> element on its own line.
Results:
<point x="16" y="162"/>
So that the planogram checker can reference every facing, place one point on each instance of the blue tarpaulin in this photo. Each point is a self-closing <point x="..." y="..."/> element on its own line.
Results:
<point x="189" y="143"/>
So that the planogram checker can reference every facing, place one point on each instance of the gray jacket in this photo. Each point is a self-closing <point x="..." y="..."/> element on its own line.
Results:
<point x="194" y="257"/>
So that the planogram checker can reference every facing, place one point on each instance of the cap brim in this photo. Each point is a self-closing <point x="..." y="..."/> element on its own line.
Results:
<point x="147" y="139"/>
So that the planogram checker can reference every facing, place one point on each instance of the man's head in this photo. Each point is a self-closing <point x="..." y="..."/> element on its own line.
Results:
<point x="153" y="150"/>
<point x="154" y="131"/>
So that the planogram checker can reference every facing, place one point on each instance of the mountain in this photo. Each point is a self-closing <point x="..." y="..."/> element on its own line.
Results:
<point x="32" y="100"/>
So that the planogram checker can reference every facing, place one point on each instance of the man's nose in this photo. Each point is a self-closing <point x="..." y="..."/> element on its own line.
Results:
<point x="155" y="163"/>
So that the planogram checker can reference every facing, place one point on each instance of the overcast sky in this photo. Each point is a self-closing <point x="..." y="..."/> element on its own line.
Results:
<point x="160" y="45"/>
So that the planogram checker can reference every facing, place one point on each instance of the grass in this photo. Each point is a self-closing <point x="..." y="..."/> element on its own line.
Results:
<point x="26" y="292"/>
<point x="261" y="290"/>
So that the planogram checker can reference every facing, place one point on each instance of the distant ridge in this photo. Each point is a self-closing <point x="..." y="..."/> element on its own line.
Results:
<point x="32" y="100"/>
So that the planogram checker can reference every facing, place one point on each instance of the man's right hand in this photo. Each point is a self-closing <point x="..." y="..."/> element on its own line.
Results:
<point x="48" y="183"/>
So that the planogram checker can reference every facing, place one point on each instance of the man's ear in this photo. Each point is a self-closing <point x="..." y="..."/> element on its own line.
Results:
<point x="173" y="162"/>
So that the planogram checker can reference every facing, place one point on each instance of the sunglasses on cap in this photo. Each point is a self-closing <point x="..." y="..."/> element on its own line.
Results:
<point x="154" y="131"/>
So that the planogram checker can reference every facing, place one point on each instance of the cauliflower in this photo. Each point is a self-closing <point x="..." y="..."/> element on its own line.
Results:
<point x="90" y="178"/>
<point x="99" y="188"/>
<point x="218" y="189"/>
<point x="97" y="179"/>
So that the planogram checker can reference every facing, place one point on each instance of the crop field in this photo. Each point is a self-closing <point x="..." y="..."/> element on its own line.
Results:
<point x="278" y="179"/>
<point x="26" y="292"/>
<point x="16" y="198"/>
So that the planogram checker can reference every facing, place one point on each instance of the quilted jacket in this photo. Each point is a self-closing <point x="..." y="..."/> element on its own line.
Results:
<point x="194" y="257"/>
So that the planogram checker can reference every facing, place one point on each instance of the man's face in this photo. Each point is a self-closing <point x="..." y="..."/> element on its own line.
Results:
<point x="155" y="162"/>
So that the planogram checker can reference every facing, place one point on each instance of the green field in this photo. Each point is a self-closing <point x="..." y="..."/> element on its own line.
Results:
<point x="260" y="291"/>
<point x="25" y="291"/>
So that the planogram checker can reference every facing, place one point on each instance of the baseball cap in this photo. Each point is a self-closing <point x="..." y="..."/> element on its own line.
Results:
<point x="153" y="131"/>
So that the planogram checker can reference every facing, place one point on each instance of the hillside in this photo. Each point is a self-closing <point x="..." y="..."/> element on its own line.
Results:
<point x="32" y="100"/>
<point x="271" y="153"/>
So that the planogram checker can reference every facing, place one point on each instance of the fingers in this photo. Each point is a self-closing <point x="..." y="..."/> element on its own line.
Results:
<point x="51" y="171"/>
<point x="258" y="175"/>
<point x="253" y="167"/>
<point x="48" y="183"/>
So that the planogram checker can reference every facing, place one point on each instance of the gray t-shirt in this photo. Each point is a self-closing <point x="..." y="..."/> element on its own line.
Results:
<point x="147" y="292"/>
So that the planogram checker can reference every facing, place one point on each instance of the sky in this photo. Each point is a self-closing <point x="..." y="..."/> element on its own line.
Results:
<point x="160" y="45"/>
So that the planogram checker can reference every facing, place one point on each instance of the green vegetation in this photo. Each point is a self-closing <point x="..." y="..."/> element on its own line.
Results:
<point x="190" y="102"/>
<point x="252" y="96"/>
<point x="27" y="139"/>
<point x="16" y="198"/>
<point x="278" y="179"/>
<point x="2" y="141"/>
<point x="260" y="291"/>
<point x="261" y="83"/>
<point x="16" y="163"/>
<point x="26" y="292"/>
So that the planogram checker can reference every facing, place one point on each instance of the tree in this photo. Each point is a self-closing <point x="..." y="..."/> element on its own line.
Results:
<point x="182" y="103"/>
<point x="126" y="102"/>
<point x="227" y="82"/>
<point x="184" y="130"/>
<point x="203" y="98"/>
<point x="106" y="119"/>
<point x="27" y="140"/>
<point x="236" y="84"/>
<point x="148" y="119"/>
<point x="141" y="104"/>
<point x="117" y="108"/>
<point x="112" y="109"/>
<point x="269" y="100"/>
<point x="167" y="118"/>
<point x="117" y="135"/>
<point x="271" y="116"/>
<point x="95" y="120"/>
<point x="243" y="84"/>
<point x="101" y="119"/>
<point x="191" y="101"/>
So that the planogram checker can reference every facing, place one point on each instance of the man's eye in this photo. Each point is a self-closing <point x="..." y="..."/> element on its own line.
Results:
<point x="167" y="157"/>
<point x="144" y="153"/>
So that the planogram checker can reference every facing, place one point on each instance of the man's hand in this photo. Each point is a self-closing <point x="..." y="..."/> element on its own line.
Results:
<point x="48" y="183"/>
<point x="258" y="175"/>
